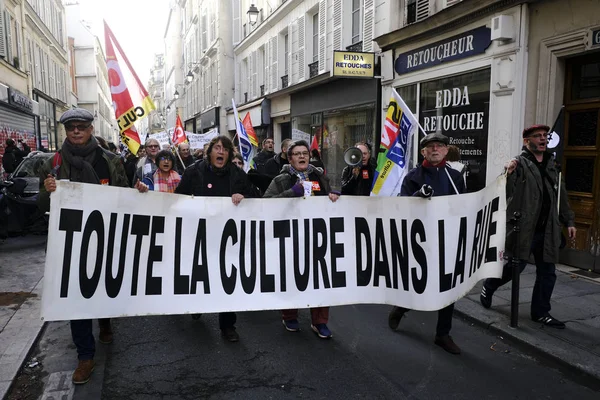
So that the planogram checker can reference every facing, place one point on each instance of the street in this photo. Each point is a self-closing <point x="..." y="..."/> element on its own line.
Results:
<point x="176" y="357"/>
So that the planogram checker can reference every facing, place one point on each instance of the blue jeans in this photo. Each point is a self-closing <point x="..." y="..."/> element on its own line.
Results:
<point x="544" y="280"/>
<point x="83" y="338"/>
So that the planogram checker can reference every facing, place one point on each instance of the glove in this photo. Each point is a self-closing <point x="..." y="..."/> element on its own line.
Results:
<point x="298" y="189"/>
<point x="425" y="192"/>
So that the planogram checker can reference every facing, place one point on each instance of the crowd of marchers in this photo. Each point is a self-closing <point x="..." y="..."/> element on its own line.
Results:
<point x="297" y="171"/>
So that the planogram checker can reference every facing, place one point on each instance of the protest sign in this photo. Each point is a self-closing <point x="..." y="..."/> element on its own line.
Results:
<point x="117" y="252"/>
<point x="197" y="141"/>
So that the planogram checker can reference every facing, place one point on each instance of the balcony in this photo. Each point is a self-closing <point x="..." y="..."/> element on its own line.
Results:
<point x="284" y="81"/>
<point x="313" y="69"/>
<point x="355" y="47"/>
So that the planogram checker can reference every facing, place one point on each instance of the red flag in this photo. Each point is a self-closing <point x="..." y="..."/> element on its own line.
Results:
<point x="178" y="133"/>
<point x="314" y="144"/>
<point x="250" y="130"/>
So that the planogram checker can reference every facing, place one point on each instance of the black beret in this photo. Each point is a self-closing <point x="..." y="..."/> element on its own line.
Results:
<point x="531" y="129"/>
<point x="434" y="137"/>
<point x="76" y="114"/>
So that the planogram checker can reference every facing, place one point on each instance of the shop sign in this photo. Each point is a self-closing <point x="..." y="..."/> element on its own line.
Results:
<point x="594" y="40"/>
<point x="19" y="100"/>
<point x="353" y="64"/>
<point x="465" y="45"/>
<point x="458" y="107"/>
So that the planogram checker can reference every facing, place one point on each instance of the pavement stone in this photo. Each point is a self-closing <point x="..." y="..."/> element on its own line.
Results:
<point x="576" y="301"/>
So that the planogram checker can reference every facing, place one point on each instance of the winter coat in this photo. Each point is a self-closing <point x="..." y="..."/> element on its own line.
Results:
<point x="192" y="181"/>
<point x="524" y="194"/>
<point x="357" y="185"/>
<point x="261" y="159"/>
<point x="436" y="177"/>
<point x="281" y="185"/>
<point x="274" y="165"/>
<point x="115" y="170"/>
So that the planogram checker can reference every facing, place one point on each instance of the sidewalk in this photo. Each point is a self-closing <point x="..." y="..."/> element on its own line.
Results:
<point x="21" y="271"/>
<point x="575" y="301"/>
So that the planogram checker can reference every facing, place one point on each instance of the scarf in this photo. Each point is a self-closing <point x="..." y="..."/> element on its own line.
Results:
<point x="82" y="160"/>
<point x="427" y="164"/>
<point x="303" y="175"/>
<point x="166" y="185"/>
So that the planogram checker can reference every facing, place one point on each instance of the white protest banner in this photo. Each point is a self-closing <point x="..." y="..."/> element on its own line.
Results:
<point x="117" y="252"/>
<point x="162" y="137"/>
<point x="197" y="141"/>
<point x="299" y="135"/>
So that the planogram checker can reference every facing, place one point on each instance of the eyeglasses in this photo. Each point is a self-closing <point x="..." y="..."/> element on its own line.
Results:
<point x="165" y="159"/>
<point x="221" y="148"/>
<point x="79" y="127"/>
<point x="238" y="163"/>
<point x="152" y="146"/>
<point x="435" y="145"/>
<point x="539" y="135"/>
<point x="301" y="153"/>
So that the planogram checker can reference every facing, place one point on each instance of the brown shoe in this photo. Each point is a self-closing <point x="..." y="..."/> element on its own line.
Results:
<point x="106" y="334"/>
<point x="83" y="372"/>
<point x="446" y="343"/>
<point x="394" y="318"/>
<point x="230" y="334"/>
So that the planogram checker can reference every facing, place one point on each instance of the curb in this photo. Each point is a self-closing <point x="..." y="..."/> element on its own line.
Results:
<point x="563" y="352"/>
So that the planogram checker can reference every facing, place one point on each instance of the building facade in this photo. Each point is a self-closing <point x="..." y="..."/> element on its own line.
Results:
<point x="18" y="111"/>
<point x="156" y="89"/>
<point x="175" y="90"/>
<point x="285" y="76"/>
<point x="90" y="74"/>
<point x="206" y="82"/>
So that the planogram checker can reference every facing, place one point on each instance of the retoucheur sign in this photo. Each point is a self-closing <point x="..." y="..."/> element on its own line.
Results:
<point x="116" y="252"/>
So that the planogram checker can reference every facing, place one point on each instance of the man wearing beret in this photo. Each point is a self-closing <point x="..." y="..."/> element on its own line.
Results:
<point x="434" y="177"/>
<point x="532" y="189"/>
<point x="82" y="160"/>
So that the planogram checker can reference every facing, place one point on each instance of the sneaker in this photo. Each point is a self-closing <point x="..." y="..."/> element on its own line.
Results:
<point x="291" y="325"/>
<point x="446" y="343"/>
<point x="394" y="318"/>
<point x="485" y="298"/>
<point x="106" y="334"/>
<point x="322" y="331"/>
<point x="550" y="321"/>
<point x="83" y="372"/>
<point x="230" y="335"/>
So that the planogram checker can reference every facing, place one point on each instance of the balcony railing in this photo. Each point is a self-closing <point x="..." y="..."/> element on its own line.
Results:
<point x="355" y="47"/>
<point x="284" y="81"/>
<point x="313" y="69"/>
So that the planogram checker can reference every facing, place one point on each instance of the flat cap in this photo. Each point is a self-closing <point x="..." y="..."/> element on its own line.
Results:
<point x="531" y="129"/>
<point x="434" y="137"/>
<point x="76" y="114"/>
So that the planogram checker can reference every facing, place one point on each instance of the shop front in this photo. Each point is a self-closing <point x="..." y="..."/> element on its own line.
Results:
<point x="564" y="73"/>
<point x="48" y="125"/>
<point x="206" y="121"/>
<point x="339" y="113"/>
<point x="17" y="118"/>
<point x="466" y="83"/>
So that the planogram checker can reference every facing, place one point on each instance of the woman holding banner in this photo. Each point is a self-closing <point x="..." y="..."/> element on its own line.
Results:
<point x="165" y="178"/>
<point x="300" y="178"/>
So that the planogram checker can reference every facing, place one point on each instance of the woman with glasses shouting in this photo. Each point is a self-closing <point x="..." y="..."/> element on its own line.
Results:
<point x="165" y="178"/>
<point x="299" y="178"/>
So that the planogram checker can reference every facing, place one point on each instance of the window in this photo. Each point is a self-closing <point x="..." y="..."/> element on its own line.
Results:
<point x="315" y="38"/>
<point x="411" y="11"/>
<point x="286" y="52"/>
<point x="356" y="21"/>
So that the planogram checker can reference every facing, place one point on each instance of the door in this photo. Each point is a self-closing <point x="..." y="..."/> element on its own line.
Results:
<point x="581" y="160"/>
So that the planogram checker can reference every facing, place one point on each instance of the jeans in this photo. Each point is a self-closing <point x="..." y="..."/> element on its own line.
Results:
<point x="227" y="320"/>
<point x="545" y="278"/>
<point x="83" y="338"/>
<point x="319" y="315"/>
<point x="444" y="322"/>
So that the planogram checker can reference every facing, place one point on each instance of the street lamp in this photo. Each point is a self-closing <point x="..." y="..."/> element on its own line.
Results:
<point x="252" y="14"/>
<point x="176" y="94"/>
<point x="168" y="108"/>
<point x="189" y="77"/>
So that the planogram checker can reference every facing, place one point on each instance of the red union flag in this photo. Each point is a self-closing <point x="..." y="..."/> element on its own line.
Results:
<point x="126" y="112"/>
<point x="178" y="133"/>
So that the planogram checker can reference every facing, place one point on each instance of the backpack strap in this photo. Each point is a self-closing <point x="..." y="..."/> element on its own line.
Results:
<point x="56" y="162"/>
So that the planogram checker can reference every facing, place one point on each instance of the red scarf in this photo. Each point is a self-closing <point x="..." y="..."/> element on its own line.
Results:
<point x="427" y="164"/>
<point x="166" y="185"/>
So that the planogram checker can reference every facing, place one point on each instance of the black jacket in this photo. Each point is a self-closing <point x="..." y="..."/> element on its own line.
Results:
<point x="192" y="181"/>
<point x="436" y="177"/>
<point x="260" y="161"/>
<point x="274" y="165"/>
<point x="16" y="155"/>
<point x="186" y="163"/>
<point x="359" y="185"/>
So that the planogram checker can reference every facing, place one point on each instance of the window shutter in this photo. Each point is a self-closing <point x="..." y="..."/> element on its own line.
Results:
<point x="19" y="46"/>
<point x="337" y="24"/>
<point x="322" y="35"/>
<point x="449" y="3"/>
<point x="274" y="67"/>
<point x="255" y="74"/>
<point x="301" y="47"/>
<point x="267" y="65"/>
<point x="368" y="27"/>
<point x="422" y="9"/>
<point x="2" y="34"/>
<point x="8" y="33"/>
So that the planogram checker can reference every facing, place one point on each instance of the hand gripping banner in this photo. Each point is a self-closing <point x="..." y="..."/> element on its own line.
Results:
<point x="116" y="252"/>
<point x="126" y="112"/>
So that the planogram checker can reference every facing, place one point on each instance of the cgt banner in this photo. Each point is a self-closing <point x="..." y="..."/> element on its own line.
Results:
<point x="114" y="252"/>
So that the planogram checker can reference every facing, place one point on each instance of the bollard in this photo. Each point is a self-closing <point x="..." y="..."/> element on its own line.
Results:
<point x="515" y="264"/>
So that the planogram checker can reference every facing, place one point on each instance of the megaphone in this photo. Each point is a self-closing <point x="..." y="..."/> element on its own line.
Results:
<point x="353" y="156"/>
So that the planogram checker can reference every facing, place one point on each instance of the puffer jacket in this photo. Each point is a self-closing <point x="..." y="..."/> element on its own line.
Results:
<point x="281" y="185"/>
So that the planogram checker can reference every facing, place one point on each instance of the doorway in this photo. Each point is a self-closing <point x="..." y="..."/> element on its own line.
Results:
<point x="581" y="159"/>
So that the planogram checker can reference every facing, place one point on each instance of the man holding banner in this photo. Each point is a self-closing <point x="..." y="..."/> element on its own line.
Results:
<point x="82" y="160"/>
<point x="433" y="178"/>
